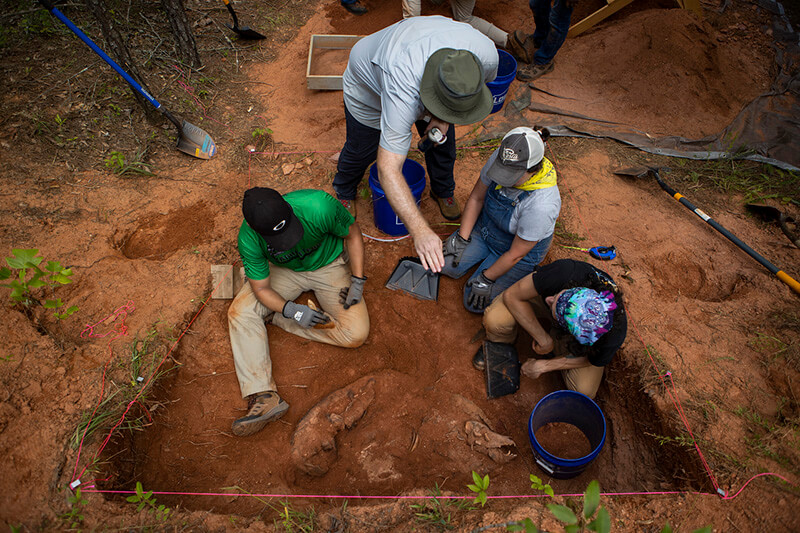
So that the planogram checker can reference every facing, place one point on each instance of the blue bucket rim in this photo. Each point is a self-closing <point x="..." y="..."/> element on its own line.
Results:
<point x="506" y="78"/>
<point x="547" y="456"/>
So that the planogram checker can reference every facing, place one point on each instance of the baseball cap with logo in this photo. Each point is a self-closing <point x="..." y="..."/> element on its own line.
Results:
<point x="272" y="217"/>
<point x="521" y="149"/>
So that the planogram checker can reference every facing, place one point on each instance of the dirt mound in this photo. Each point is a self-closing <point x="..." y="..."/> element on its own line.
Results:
<point x="664" y="72"/>
<point x="158" y="236"/>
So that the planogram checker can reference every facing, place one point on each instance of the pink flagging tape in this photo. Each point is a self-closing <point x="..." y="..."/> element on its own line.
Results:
<point x="383" y="497"/>
<point x="123" y="330"/>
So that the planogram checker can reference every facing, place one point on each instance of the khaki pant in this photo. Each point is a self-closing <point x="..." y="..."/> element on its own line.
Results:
<point x="501" y="326"/>
<point x="248" y="331"/>
<point x="462" y="12"/>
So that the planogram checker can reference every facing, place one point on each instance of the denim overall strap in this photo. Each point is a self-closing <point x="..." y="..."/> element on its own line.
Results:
<point x="495" y="217"/>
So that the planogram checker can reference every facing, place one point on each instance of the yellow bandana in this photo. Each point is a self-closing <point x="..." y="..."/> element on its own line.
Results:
<point x="545" y="178"/>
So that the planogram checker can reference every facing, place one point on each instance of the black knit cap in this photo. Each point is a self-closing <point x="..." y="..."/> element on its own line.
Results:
<point x="272" y="217"/>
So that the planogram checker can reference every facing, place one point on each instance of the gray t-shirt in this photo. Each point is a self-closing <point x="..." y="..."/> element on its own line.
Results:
<point x="534" y="218"/>
<point x="383" y="75"/>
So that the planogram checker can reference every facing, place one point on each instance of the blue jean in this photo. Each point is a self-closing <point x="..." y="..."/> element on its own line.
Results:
<point x="552" y="25"/>
<point x="479" y="251"/>
<point x="361" y="149"/>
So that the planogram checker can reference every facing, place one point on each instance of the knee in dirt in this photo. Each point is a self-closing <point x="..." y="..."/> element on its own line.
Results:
<point x="355" y="336"/>
<point x="497" y="327"/>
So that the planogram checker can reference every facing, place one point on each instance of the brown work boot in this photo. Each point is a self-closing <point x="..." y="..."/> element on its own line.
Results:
<point x="350" y="205"/>
<point x="520" y="46"/>
<point x="262" y="409"/>
<point x="448" y="206"/>
<point x="534" y="71"/>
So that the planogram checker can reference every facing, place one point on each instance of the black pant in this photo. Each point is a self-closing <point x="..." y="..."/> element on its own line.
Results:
<point x="361" y="148"/>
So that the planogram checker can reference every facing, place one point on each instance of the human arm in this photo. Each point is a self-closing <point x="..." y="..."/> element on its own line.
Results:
<point x="269" y="298"/>
<point x="517" y="300"/>
<point x="354" y="242"/>
<point x="519" y="249"/>
<point x="427" y="244"/>
<point x="472" y="209"/>
<point x="266" y="295"/>
<point x="533" y="368"/>
<point x="355" y="248"/>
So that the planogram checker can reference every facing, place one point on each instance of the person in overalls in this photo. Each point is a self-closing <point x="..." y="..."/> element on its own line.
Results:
<point x="508" y="221"/>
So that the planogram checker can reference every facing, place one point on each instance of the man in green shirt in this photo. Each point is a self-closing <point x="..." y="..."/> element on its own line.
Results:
<point x="289" y="245"/>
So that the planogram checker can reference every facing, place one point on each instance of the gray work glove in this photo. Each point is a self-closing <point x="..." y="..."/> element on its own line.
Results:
<point x="304" y="315"/>
<point x="480" y="291"/>
<point x="352" y="295"/>
<point x="455" y="246"/>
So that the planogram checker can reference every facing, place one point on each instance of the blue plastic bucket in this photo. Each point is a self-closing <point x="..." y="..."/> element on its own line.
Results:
<point x="506" y="71"/>
<point x="385" y="218"/>
<point x="574" y="408"/>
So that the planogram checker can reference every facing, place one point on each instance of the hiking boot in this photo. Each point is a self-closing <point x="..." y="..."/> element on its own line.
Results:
<point x="520" y="46"/>
<point x="350" y="205"/>
<point x="448" y="206"/>
<point x="478" y="360"/>
<point x="534" y="71"/>
<point x="262" y="409"/>
<point x="355" y="8"/>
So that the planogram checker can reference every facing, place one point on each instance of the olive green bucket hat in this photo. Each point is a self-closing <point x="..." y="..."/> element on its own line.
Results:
<point x="453" y="88"/>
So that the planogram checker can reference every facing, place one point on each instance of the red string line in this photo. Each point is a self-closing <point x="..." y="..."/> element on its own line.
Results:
<point x="154" y="373"/>
<point x="673" y="395"/>
<point x="88" y="332"/>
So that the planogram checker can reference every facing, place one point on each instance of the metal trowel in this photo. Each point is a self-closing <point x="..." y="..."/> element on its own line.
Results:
<point x="411" y="277"/>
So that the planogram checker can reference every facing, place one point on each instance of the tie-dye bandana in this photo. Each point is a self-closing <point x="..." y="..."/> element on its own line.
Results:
<point x="585" y="313"/>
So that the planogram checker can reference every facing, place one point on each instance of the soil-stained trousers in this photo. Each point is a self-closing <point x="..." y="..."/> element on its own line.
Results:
<point x="501" y="326"/>
<point x="462" y="12"/>
<point x="247" y="316"/>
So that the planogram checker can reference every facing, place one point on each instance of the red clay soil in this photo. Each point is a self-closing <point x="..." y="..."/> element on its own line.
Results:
<point x="563" y="440"/>
<point x="713" y="337"/>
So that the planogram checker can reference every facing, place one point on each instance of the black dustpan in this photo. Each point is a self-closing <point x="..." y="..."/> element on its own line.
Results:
<point x="410" y="276"/>
<point x="502" y="368"/>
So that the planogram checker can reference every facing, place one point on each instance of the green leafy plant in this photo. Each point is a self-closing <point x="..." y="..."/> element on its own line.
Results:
<point x="116" y="163"/>
<point x="7" y="358"/>
<point x="601" y="523"/>
<point x="146" y="500"/>
<point x="480" y="485"/>
<point x="436" y="511"/>
<point x="536" y="484"/>
<point x="262" y="137"/>
<point x="74" y="517"/>
<point x="261" y="132"/>
<point x="26" y="290"/>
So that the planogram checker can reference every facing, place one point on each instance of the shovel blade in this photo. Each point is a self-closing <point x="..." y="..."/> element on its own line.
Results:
<point x="196" y="142"/>
<point x="633" y="172"/>
<point x="245" y="32"/>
